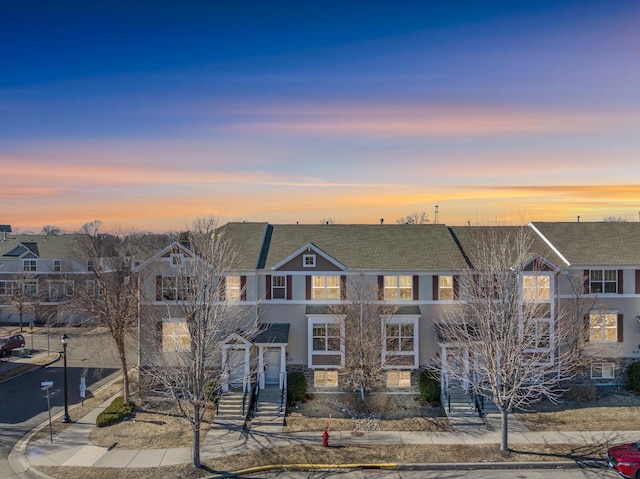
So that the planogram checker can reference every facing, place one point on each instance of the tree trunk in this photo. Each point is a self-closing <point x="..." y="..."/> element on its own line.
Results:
<point x="20" y="316"/>
<point x="504" y="444"/>
<point x="196" y="436"/>
<point x="125" y="372"/>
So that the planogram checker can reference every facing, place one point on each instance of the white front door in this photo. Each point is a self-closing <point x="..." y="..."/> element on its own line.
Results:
<point x="272" y="365"/>
<point x="235" y="364"/>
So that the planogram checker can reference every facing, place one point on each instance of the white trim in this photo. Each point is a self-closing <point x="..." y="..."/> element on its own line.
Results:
<point x="544" y="238"/>
<point x="308" y="248"/>
<point x="401" y="319"/>
<point x="312" y="257"/>
<point x="602" y="365"/>
<point x="324" y="319"/>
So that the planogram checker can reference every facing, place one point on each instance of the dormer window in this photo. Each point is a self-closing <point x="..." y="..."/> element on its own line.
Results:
<point x="309" y="260"/>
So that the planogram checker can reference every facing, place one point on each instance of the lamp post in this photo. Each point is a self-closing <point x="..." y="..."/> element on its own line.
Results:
<point x="64" y="339"/>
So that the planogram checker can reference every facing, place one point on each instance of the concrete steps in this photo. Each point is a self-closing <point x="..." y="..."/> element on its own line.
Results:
<point x="230" y="404"/>
<point x="269" y="417"/>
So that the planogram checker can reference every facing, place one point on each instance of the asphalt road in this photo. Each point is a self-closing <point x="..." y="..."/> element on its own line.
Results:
<point x="23" y="405"/>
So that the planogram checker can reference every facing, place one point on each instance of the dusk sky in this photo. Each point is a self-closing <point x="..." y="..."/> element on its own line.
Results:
<point x="146" y="115"/>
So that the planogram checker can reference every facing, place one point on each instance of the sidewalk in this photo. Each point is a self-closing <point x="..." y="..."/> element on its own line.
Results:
<point x="71" y="447"/>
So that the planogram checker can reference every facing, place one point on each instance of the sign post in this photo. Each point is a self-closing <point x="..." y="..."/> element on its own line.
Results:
<point x="45" y="386"/>
<point x="83" y="388"/>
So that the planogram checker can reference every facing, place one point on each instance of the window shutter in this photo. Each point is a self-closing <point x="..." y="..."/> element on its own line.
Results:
<point x="158" y="288"/>
<point x="587" y="328"/>
<point x="416" y="287"/>
<point x="638" y="281"/>
<point x="289" y="286"/>
<point x="620" y="275"/>
<point x="159" y="335"/>
<point x="307" y="284"/>
<point x="380" y="287"/>
<point x="586" y="282"/>
<point x="456" y="286"/>
<point x="243" y="288"/>
<point x="620" y="329"/>
<point x="343" y="287"/>
<point x="435" y="289"/>
<point x="222" y="288"/>
<point x="268" y="281"/>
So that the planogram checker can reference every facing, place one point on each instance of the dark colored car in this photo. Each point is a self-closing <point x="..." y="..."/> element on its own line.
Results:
<point x="625" y="459"/>
<point x="7" y="343"/>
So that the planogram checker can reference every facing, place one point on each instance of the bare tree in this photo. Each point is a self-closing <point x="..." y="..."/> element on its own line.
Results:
<point x="24" y="294"/>
<point x="615" y="219"/>
<point x="188" y="370"/>
<point x="504" y="325"/>
<point x="363" y="317"/>
<point x="107" y="296"/>
<point x="50" y="230"/>
<point x="415" y="218"/>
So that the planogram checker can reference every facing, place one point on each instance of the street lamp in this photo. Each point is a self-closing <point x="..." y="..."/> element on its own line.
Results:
<point x="64" y="339"/>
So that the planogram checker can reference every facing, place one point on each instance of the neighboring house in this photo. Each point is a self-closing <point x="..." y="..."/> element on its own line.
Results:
<point x="296" y="274"/>
<point x="38" y="274"/>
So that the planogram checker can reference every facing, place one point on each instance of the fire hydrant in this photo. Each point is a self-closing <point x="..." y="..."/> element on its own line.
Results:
<point x="325" y="438"/>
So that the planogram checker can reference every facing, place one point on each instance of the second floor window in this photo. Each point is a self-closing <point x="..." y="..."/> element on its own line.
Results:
<point x="398" y="287"/>
<point x="233" y="288"/>
<point x="173" y="288"/>
<point x="279" y="287"/>
<point x="29" y="265"/>
<point x="325" y="287"/>
<point x="9" y="288"/>
<point x="536" y="287"/>
<point x="175" y="336"/>
<point x="603" y="281"/>
<point x="399" y="337"/>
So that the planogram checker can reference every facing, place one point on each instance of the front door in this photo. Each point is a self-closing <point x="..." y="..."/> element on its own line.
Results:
<point x="272" y="366"/>
<point x="236" y="367"/>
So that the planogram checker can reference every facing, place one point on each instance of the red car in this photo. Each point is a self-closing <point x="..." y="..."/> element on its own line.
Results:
<point x="7" y="343"/>
<point x="625" y="459"/>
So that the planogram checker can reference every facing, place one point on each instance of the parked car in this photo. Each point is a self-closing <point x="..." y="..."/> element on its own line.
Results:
<point x="625" y="458"/>
<point x="13" y="341"/>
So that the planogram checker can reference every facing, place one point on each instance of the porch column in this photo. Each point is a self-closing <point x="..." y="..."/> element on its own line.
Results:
<point x="246" y="376"/>
<point x="225" y="370"/>
<point x="283" y="367"/>
<point x="261" y="367"/>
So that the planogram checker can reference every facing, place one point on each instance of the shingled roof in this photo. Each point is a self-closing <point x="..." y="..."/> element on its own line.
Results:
<point x="605" y="243"/>
<point x="371" y="247"/>
<point x="248" y="239"/>
<point x="45" y="247"/>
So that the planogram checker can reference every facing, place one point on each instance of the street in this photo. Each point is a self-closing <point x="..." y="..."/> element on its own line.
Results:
<point x="23" y="404"/>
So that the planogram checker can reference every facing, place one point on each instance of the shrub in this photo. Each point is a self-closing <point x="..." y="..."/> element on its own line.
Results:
<point x="580" y="392"/>
<point x="114" y="412"/>
<point x="633" y="376"/>
<point x="429" y="387"/>
<point x="211" y="389"/>
<point x="296" y="386"/>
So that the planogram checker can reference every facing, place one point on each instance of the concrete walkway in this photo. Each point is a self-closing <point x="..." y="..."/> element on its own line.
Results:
<point x="71" y="448"/>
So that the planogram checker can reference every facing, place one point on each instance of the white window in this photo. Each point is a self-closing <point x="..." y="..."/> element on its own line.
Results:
<point x="325" y="379"/>
<point x="398" y="287"/>
<point x="279" y="287"/>
<point x="60" y="291"/>
<point x="175" y="336"/>
<point x="326" y="337"/>
<point x="325" y="287"/>
<point x="399" y="337"/>
<point x="29" y="265"/>
<point x="232" y="290"/>
<point x="309" y="260"/>
<point x="173" y="288"/>
<point x="540" y="331"/>
<point x="603" y="281"/>
<point x="56" y="265"/>
<point x="445" y="287"/>
<point x="9" y="288"/>
<point x="30" y="289"/>
<point x="536" y="287"/>
<point x="602" y="370"/>
<point x="603" y="327"/>
<point x="398" y="379"/>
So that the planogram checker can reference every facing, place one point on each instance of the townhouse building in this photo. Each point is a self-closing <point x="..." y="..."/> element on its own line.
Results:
<point x="291" y="277"/>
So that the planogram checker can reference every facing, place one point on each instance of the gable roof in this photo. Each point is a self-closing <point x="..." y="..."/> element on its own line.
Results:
<point x="248" y="239"/>
<point x="603" y="243"/>
<point x="467" y="237"/>
<point x="371" y="247"/>
<point x="309" y="247"/>
<point x="41" y="246"/>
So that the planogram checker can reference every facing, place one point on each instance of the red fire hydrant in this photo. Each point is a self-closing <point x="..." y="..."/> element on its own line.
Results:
<point x="325" y="438"/>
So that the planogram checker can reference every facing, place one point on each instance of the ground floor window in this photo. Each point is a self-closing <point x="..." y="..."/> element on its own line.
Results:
<point x="398" y="379"/>
<point x="325" y="379"/>
<point x="602" y="370"/>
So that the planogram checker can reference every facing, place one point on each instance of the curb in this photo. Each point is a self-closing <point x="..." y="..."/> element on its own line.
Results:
<point x="35" y="366"/>
<point x="18" y="456"/>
